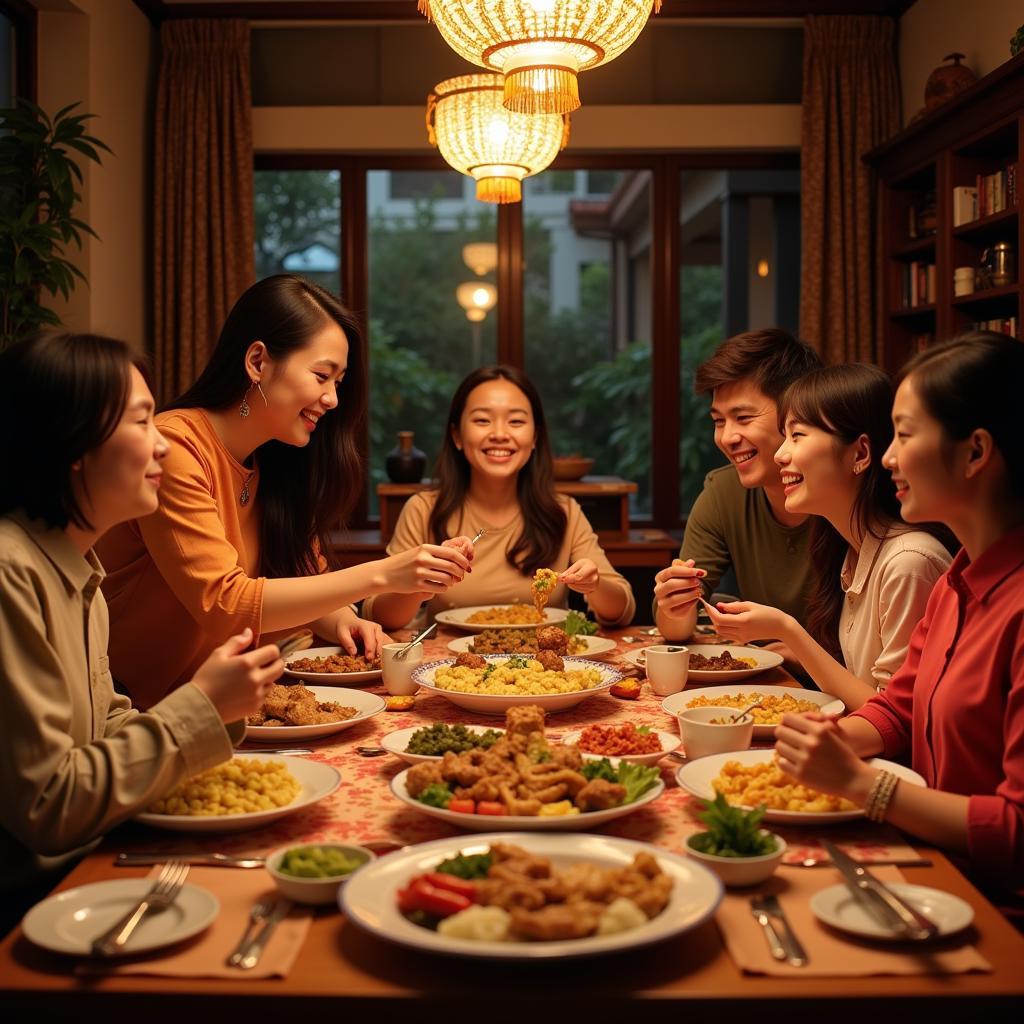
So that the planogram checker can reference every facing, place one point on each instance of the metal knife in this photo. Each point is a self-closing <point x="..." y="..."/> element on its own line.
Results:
<point x="796" y="955"/>
<point x="255" y="948"/>
<point x="886" y="907"/>
<point x="212" y="860"/>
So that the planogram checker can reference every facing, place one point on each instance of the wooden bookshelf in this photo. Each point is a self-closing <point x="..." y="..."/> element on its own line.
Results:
<point x="978" y="134"/>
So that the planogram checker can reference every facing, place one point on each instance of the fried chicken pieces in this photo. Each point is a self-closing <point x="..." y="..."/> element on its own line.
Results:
<point x="547" y="905"/>
<point x="513" y="772"/>
<point x="296" y="705"/>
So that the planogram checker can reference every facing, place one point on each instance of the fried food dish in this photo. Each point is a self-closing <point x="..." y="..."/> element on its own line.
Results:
<point x="509" y="772"/>
<point x="527" y="641"/>
<point x="522" y="614"/>
<point x="468" y="660"/>
<point x="766" y="783"/>
<point x="335" y="663"/>
<point x="544" y="582"/>
<point x="724" y="662"/>
<point x="295" y="705"/>
<point x="771" y="711"/>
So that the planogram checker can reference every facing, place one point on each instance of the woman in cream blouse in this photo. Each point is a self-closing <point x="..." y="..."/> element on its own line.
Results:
<point x="495" y="474"/>
<point x="871" y="573"/>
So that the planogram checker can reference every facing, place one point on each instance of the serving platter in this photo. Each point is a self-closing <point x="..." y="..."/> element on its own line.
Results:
<point x="329" y="678"/>
<point x="456" y="617"/>
<point x="366" y="704"/>
<point x="763" y="660"/>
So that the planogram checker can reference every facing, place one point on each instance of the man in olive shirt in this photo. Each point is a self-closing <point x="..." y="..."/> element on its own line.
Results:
<point x="740" y="520"/>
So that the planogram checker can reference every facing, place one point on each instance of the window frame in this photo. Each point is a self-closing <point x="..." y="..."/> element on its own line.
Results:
<point x="665" y="169"/>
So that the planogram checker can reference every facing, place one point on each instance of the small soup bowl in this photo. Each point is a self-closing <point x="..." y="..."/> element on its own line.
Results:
<point x="708" y="731"/>
<point x="319" y="891"/>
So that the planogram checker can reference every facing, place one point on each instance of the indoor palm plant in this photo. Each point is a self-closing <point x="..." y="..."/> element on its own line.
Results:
<point x="39" y="179"/>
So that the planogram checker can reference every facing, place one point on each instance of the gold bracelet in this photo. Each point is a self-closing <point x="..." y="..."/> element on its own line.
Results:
<point x="881" y="795"/>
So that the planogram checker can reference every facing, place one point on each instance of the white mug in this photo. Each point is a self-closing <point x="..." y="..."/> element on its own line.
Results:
<point x="667" y="668"/>
<point x="398" y="672"/>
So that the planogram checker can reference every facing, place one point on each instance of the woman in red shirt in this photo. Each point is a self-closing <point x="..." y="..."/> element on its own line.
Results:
<point x="957" y="703"/>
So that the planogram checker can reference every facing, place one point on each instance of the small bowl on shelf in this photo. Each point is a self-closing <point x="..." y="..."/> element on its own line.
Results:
<point x="318" y="890"/>
<point x="740" y="871"/>
<point x="572" y="467"/>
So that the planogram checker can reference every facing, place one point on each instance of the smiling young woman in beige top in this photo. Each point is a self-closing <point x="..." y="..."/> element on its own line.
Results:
<point x="871" y="574"/>
<point x="75" y="757"/>
<point x="495" y="473"/>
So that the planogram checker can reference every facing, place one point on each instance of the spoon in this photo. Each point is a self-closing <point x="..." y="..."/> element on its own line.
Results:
<point x="746" y="711"/>
<point x="283" y="751"/>
<point x="370" y="751"/>
<point x="400" y="656"/>
<point x="479" y="533"/>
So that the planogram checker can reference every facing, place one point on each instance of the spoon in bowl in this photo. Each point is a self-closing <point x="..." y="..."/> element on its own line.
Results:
<point x="745" y="712"/>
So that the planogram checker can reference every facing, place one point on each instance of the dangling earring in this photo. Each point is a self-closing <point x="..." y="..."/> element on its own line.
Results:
<point x="243" y="409"/>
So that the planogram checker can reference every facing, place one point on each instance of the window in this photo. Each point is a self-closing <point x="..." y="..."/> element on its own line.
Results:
<point x="587" y="319"/>
<point x="422" y="340"/>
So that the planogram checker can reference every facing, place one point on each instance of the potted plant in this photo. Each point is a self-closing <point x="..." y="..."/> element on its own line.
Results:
<point x="39" y="179"/>
<point x="734" y="845"/>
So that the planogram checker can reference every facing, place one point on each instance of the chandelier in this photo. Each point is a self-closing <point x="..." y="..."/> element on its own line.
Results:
<point x="539" y="45"/>
<point x="480" y="138"/>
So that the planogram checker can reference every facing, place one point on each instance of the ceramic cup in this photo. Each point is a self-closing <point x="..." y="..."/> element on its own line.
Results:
<point x="702" y="737"/>
<point x="397" y="673"/>
<point x="667" y="667"/>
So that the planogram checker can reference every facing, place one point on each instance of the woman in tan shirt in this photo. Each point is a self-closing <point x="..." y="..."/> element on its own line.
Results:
<point x="871" y="573"/>
<point x="75" y="757"/>
<point x="263" y="464"/>
<point x="495" y="474"/>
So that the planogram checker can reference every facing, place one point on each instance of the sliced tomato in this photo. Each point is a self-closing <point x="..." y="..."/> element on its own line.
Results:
<point x="439" y="902"/>
<point x="463" y="886"/>
<point x="490" y="807"/>
<point x="406" y="900"/>
<point x="462" y="806"/>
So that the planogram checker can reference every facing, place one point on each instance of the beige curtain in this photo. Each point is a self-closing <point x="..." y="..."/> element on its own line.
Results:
<point x="851" y="102"/>
<point x="203" y="188"/>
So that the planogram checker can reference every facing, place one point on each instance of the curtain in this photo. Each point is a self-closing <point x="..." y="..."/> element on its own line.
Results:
<point x="203" y="192"/>
<point x="851" y="103"/>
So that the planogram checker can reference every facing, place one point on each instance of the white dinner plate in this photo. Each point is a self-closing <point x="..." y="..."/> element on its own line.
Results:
<point x="837" y="907"/>
<point x="316" y="781"/>
<point x="669" y="742"/>
<point x="369" y="897"/>
<point x="595" y="645"/>
<point x="764" y="659"/>
<point x="828" y="704"/>
<point x="499" y="703"/>
<point x="366" y="704"/>
<point x="69" y="921"/>
<point x="329" y="678"/>
<point x="396" y="742"/>
<point x="696" y="778"/>
<point x="456" y="617"/>
<point x="523" y="822"/>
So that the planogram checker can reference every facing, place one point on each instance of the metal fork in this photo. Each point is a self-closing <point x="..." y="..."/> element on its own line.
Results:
<point x="162" y="894"/>
<point x="768" y="910"/>
<point x="258" y="913"/>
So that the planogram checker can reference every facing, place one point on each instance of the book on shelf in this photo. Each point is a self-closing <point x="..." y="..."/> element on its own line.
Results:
<point x="990" y="193"/>
<point x="1003" y="325"/>
<point x="917" y="284"/>
<point x="919" y="342"/>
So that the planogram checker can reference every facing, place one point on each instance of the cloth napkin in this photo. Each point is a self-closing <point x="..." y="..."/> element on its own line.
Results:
<point x="832" y="953"/>
<point x="205" y="955"/>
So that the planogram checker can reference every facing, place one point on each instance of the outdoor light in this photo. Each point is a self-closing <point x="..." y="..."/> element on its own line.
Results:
<point x="477" y="298"/>
<point x="539" y="45"/>
<point x="480" y="257"/>
<point x="494" y="146"/>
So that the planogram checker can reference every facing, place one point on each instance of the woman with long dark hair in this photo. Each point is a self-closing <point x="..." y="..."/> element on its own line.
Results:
<point x="956" y="706"/>
<point x="871" y="574"/>
<point x="262" y="465"/>
<point x="495" y="473"/>
<point x="75" y="757"/>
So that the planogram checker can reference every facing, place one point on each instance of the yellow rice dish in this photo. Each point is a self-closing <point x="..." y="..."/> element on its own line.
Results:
<point x="771" y="711"/>
<point x="239" y="786"/>
<point x="766" y="783"/>
<point x="522" y="614"/>
<point x="534" y="680"/>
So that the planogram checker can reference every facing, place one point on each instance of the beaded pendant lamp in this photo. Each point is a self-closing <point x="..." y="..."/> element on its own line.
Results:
<point x="539" y="45"/>
<point x="494" y="146"/>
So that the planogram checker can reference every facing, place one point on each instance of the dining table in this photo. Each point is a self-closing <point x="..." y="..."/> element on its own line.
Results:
<point x="343" y="970"/>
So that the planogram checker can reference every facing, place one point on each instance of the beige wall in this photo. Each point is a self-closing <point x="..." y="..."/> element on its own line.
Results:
<point x="979" y="29"/>
<point x="400" y="129"/>
<point x="102" y="53"/>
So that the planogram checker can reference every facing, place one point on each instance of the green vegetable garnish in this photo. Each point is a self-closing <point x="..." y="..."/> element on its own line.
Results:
<point x="318" y="862"/>
<point x="576" y="624"/>
<point x="437" y="794"/>
<point x="437" y="739"/>
<point x="732" y="832"/>
<point x="602" y="769"/>
<point x="517" y="661"/>
<point x="467" y="865"/>
<point x="644" y="730"/>
<point x="638" y="779"/>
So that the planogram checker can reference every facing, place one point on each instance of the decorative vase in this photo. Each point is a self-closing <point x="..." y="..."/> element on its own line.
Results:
<point x="405" y="463"/>
<point x="947" y="80"/>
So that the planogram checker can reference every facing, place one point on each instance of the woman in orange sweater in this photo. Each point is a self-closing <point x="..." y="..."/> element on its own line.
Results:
<point x="263" y="463"/>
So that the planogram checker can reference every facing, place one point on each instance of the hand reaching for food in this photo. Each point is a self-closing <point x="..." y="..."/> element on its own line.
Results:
<point x="581" y="576"/>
